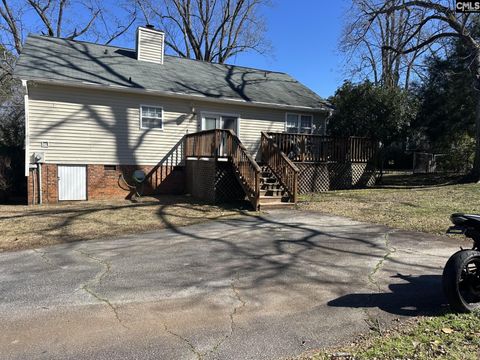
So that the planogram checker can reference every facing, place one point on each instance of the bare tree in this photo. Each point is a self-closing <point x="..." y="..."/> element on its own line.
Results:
<point x="210" y="30"/>
<point x="442" y="22"/>
<point x="11" y="26"/>
<point x="11" y="103"/>
<point x="70" y="19"/>
<point x="367" y="43"/>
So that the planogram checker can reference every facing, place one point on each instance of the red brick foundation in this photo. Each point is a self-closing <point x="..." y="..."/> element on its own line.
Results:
<point x="105" y="183"/>
<point x="49" y="185"/>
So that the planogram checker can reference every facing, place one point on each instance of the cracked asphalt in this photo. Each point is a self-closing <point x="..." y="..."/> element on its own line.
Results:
<point x="265" y="287"/>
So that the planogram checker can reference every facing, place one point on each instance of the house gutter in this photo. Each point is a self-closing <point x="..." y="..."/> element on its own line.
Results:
<point x="27" y="148"/>
<point x="27" y="135"/>
<point x="170" y="94"/>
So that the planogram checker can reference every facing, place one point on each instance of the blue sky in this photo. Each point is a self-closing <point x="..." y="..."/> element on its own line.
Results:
<point x="304" y="35"/>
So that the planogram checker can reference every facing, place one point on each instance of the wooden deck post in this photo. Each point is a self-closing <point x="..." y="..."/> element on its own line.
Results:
<point x="303" y="147"/>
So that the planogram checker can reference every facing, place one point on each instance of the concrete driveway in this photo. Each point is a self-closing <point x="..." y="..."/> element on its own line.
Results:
<point x="264" y="287"/>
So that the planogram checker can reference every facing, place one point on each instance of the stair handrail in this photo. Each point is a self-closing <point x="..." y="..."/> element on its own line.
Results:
<point x="247" y="167"/>
<point x="175" y="157"/>
<point x="224" y="143"/>
<point x="283" y="168"/>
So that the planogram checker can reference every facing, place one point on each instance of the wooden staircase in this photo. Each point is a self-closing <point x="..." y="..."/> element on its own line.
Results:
<point x="272" y="193"/>
<point x="272" y="185"/>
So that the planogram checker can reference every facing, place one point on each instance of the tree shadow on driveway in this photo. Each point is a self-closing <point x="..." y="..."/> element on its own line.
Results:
<point x="306" y="257"/>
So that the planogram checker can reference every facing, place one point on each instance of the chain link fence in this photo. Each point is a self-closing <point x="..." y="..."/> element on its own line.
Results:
<point x="428" y="163"/>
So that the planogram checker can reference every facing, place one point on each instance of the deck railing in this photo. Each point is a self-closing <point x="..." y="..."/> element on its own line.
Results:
<point x="280" y="164"/>
<point x="225" y="144"/>
<point x="319" y="148"/>
<point x="175" y="157"/>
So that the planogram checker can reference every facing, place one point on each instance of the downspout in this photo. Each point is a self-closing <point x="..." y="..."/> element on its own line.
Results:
<point x="27" y="148"/>
<point x="27" y="135"/>
<point x="34" y="172"/>
<point x="27" y="138"/>
<point x="39" y="183"/>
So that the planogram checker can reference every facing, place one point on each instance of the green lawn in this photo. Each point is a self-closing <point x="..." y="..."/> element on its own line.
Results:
<point x="401" y="203"/>
<point x="445" y="337"/>
<point x="420" y="203"/>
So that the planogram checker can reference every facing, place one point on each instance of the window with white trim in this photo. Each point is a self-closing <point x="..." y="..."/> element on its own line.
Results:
<point x="299" y="123"/>
<point x="151" y="117"/>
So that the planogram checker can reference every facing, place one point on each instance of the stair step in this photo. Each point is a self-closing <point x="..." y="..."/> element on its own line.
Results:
<point x="273" y="195"/>
<point x="276" y="205"/>
<point x="273" y="187"/>
<point x="270" y="180"/>
<point x="264" y="179"/>
<point x="268" y="186"/>
<point x="272" y="199"/>
<point x="272" y="192"/>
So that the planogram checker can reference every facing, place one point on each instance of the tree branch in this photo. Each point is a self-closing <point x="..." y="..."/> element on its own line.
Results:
<point x="7" y="15"/>
<point x="41" y="12"/>
<point x="431" y="40"/>
<point x="120" y="32"/>
<point x="76" y="34"/>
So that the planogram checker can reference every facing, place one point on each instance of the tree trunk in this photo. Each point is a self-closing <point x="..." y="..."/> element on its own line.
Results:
<point x="476" y="163"/>
<point x="381" y="162"/>
<point x="475" y="174"/>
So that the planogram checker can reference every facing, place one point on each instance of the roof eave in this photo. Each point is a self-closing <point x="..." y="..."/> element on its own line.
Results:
<point x="90" y="85"/>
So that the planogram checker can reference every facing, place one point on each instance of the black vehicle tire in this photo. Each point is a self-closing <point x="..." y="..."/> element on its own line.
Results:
<point x="461" y="281"/>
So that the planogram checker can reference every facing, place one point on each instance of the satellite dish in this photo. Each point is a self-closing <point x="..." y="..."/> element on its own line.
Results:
<point x="139" y="176"/>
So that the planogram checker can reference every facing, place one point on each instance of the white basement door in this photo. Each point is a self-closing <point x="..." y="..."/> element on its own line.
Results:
<point x="72" y="182"/>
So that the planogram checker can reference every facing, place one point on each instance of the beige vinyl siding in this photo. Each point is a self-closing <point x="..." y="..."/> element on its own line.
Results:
<point x="92" y="126"/>
<point x="150" y="45"/>
<point x="252" y="121"/>
<point x="84" y="126"/>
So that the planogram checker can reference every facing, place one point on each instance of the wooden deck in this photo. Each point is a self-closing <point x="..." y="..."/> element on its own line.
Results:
<point x="321" y="149"/>
<point x="288" y="164"/>
<point x="329" y="163"/>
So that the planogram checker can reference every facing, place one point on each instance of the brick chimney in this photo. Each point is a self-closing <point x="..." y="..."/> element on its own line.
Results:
<point x="150" y="44"/>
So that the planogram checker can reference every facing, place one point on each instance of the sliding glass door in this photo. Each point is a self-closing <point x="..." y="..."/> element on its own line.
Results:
<point x="220" y="121"/>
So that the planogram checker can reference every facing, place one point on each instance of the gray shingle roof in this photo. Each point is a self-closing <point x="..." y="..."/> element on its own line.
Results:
<point x="70" y="61"/>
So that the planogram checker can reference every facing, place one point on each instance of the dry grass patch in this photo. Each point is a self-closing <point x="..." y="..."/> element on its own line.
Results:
<point x="400" y="205"/>
<point x="445" y="337"/>
<point x="409" y="203"/>
<point x="33" y="226"/>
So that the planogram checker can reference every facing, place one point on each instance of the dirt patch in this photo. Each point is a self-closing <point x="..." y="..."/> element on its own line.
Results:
<point x="26" y="227"/>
